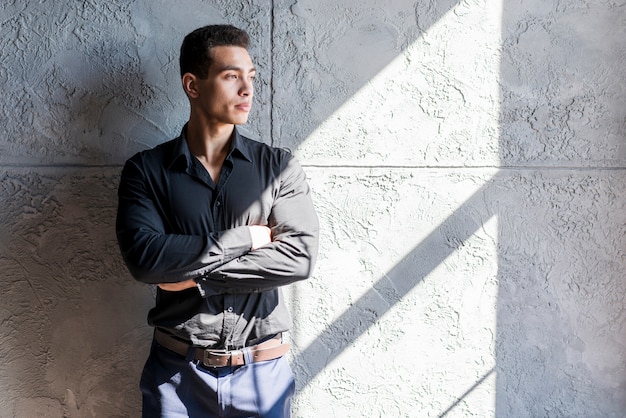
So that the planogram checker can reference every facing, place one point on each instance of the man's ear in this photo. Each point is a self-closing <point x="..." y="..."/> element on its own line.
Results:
<point x="190" y="85"/>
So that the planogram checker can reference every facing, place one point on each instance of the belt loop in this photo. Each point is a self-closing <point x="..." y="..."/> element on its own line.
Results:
<point x="191" y="353"/>
<point x="247" y="355"/>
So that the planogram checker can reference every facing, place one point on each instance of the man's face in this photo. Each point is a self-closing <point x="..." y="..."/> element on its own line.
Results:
<point x="225" y="96"/>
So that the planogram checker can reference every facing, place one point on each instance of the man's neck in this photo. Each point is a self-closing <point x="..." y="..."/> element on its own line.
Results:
<point x="209" y="142"/>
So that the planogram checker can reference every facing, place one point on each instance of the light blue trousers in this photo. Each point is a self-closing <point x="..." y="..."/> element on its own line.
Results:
<point x="176" y="387"/>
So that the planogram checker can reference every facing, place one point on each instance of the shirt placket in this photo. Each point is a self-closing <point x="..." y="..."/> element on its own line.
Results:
<point x="230" y="316"/>
<point x="230" y="321"/>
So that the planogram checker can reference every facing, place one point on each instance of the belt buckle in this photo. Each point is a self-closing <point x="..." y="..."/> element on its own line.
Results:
<point x="212" y="358"/>
<point x="217" y="358"/>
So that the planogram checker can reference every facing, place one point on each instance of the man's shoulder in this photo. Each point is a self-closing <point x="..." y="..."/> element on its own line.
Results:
<point x="260" y="149"/>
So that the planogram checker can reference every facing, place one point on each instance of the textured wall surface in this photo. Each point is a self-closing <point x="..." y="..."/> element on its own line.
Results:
<point x="468" y="162"/>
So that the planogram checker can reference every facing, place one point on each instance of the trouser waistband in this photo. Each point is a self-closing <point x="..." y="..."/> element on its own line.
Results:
<point x="268" y="350"/>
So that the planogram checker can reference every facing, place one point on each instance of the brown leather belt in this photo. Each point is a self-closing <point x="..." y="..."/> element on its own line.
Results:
<point x="268" y="350"/>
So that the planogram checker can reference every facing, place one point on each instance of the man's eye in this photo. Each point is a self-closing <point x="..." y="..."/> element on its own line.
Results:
<point x="231" y="76"/>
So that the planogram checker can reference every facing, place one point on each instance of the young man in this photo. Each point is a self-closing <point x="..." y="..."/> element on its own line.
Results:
<point x="218" y="222"/>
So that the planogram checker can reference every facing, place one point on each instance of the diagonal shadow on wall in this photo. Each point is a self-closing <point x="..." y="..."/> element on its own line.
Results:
<point x="396" y="283"/>
<point x="362" y="64"/>
<point x="328" y="63"/>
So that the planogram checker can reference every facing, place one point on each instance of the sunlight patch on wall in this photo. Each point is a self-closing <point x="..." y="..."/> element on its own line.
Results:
<point x="435" y="104"/>
<point x="438" y="341"/>
<point x="407" y="280"/>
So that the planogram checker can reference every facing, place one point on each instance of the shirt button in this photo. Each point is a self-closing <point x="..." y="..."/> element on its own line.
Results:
<point x="230" y="309"/>
<point x="218" y="203"/>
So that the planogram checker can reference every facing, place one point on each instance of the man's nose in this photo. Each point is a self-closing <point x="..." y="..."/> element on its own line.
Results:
<point x="247" y="88"/>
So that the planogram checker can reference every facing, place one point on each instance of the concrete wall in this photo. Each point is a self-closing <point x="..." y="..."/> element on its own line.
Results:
<point x="468" y="162"/>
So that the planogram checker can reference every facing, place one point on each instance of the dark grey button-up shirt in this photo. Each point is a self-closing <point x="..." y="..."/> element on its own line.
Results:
<point x="174" y="223"/>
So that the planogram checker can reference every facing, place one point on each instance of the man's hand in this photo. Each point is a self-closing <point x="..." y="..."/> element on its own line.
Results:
<point x="261" y="235"/>
<point x="177" y="287"/>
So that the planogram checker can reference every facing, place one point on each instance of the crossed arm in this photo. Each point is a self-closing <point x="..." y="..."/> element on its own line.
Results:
<point x="260" y="235"/>
<point x="239" y="260"/>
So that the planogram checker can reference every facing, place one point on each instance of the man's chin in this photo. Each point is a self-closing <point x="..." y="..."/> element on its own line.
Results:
<point x="240" y="121"/>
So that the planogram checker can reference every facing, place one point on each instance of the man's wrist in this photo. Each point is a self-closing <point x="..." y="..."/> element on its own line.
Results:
<point x="261" y="235"/>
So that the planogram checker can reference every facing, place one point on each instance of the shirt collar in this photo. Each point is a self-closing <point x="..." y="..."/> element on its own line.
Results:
<point x="181" y="151"/>
<point x="241" y="146"/>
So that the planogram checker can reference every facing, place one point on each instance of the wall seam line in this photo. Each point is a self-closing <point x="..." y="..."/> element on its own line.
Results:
<point x="271" y="81"/>
<point x="344" y="166"/>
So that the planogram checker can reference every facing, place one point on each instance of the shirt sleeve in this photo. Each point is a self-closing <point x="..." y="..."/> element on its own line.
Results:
<point x="155" y="256"/>
<point x="293" y="251"/>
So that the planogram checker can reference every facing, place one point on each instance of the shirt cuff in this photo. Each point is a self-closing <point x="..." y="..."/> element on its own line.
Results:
<point x="236" y="242"/>
<point x="207" y="289"/>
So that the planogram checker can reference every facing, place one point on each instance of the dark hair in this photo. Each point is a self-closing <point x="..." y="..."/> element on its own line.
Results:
<point x="195" y="52"/>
